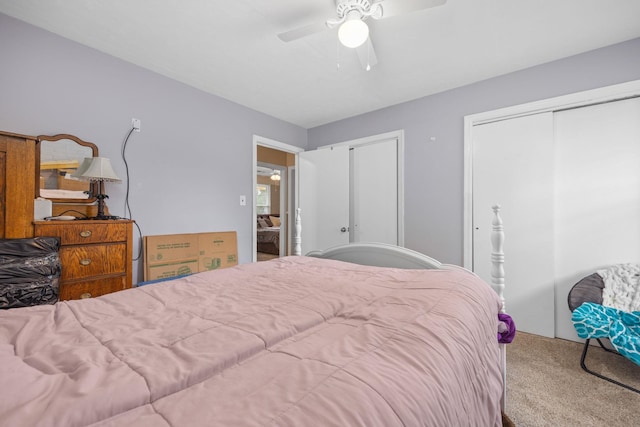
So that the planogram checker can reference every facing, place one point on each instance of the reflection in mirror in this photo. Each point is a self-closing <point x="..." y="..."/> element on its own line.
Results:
<point x="59" y="157"/>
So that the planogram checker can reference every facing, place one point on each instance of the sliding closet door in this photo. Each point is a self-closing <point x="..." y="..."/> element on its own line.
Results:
<point x="597" y="195"/>
<point x="513" y="166"/>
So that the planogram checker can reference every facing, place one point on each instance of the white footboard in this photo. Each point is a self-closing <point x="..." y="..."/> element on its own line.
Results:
<point x="497" y="254"/>
<point x="378" y="255"/>
<point x="497" y="277"/>
<point x="297" y="231"/>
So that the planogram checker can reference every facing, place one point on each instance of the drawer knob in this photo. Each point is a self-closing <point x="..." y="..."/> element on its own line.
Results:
<point x="85" y="233"/>
<point x="85" y="295"/>
<point x="85" y="261"/>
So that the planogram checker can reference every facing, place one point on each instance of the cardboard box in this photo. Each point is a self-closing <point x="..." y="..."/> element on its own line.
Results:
<point x="171" y="247"/>
<point x="217" y="250"/>
<point x="170" y="269"/>
<point x="174" y="255"/>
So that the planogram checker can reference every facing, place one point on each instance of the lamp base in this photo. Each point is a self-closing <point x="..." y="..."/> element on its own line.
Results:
<point x="101" y="198"/>
<point x="103" y="217"/>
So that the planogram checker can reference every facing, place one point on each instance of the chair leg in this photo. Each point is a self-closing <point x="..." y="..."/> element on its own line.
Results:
<point x="605" y="348"/>
<point x="611" y="380"/>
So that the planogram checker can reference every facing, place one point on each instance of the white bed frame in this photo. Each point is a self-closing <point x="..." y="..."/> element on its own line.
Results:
<point x="385" y="255"/>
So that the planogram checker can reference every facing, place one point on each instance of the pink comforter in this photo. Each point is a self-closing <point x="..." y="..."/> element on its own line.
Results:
<point x="292" y="342"/>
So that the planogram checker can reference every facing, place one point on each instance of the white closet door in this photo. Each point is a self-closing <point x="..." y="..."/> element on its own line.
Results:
<point x="323" y="198"/>
<point x="597" y="195"/>
<point x="374" y="193"/>
<point x="513" y="167"/>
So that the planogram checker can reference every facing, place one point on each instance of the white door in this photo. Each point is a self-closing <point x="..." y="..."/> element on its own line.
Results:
<point x="323" y="198"/>
<point x="374" y="193"/>
<point x="597" y="195"/>
<point x="513" y="166"/>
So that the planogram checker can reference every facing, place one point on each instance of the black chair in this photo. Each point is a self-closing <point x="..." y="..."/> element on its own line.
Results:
<point x="589" y="289"/>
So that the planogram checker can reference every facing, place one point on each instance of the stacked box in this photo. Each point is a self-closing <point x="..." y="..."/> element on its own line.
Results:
<point x="174" y="255"/>
<point x="217" y="250"/>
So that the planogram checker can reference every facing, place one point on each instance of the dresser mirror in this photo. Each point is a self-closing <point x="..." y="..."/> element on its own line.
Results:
<point x="57" y="158"/>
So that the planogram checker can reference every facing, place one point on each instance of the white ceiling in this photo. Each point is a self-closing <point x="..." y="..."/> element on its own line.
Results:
<point x="231" y="49"/>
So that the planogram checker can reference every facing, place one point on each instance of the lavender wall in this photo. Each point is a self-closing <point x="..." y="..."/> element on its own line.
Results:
<point x="192" y="159"/>
<point x="188" y="165"/>
<point x="434" y="169"/>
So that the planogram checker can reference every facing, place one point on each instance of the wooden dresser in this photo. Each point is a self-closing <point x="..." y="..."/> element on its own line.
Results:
<point x="96" y="255"/>
<point x="17" y="185"/>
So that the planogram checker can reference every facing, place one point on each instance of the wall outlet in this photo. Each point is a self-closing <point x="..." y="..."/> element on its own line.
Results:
<point x="136" y="124"/>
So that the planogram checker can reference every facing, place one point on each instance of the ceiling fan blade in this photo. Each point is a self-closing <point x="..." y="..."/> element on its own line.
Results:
<point x="399" y="7"/>
<point x="301" y="32"/>
<point x="367" y="55"/>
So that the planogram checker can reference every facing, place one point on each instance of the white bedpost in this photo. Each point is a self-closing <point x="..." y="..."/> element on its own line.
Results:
<point x="297" y="246"/>
<point x="497" y="254"/>
<point x="497" y="277"/>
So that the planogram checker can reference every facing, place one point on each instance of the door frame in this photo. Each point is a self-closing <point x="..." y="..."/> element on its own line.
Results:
<point x="280" y="146"/>
<point x="579" y="99"/>
<point x="399" y="136"/>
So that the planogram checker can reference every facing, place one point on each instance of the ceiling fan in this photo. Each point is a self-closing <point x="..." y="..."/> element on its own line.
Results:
<point x="353" y="32"/>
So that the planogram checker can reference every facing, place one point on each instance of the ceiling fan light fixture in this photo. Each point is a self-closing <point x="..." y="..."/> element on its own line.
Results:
<point x="353" y="32"/>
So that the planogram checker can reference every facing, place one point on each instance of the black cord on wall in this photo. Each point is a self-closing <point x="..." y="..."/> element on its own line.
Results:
<point x="127" y="207"/>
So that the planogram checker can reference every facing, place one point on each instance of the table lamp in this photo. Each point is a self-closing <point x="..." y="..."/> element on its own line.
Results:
<point x="98" y="169"/>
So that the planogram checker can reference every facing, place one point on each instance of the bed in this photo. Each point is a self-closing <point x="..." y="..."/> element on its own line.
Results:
<point x="268" y="234"/>
<point x="295" y="341"/>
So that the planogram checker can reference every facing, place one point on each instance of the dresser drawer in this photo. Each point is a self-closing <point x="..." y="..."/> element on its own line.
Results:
<point x="92" y="288"/>
<point x="87" y="232"/>
<point x="96" y="255"/>
<point x="92" y="260"/>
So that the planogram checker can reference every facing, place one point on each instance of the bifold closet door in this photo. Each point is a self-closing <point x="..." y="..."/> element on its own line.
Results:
<point x="349" y="195"/>
<point x="323" y="198"/>
<point x="374" y="193"/>
<point x="513" y="166"/>
<point x="597" y="195"/>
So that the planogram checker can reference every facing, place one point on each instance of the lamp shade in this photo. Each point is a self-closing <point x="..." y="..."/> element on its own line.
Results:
<point x="83" y="167"/>
<point x="99" y="169"/>
<point x="353" y="32"/>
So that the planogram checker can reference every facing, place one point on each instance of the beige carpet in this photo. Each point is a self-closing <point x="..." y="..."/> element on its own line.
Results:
<point x="547" y="387"/>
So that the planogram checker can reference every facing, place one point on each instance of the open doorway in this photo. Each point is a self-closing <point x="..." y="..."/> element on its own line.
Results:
<point x="273" y="198"/>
